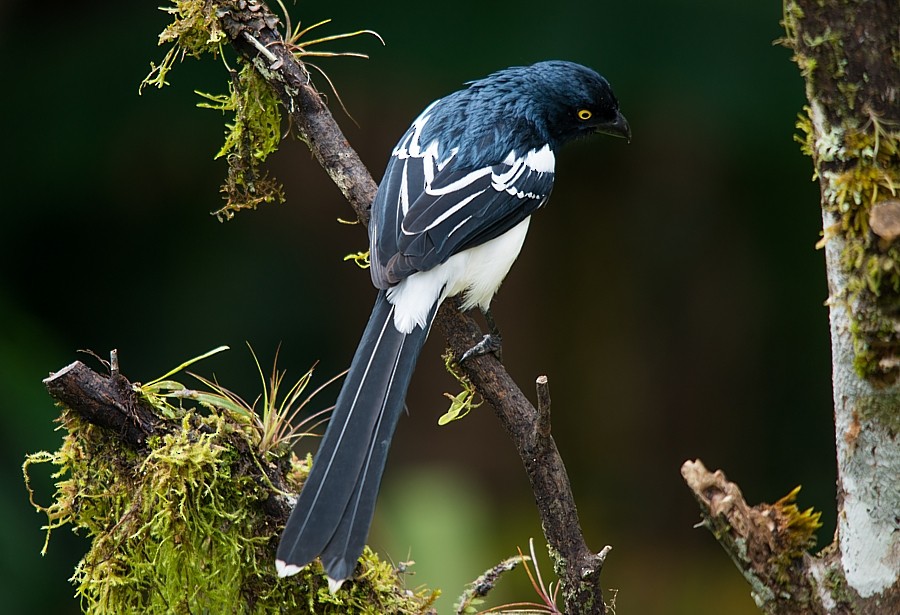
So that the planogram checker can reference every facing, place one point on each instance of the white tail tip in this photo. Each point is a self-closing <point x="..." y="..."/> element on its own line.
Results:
<point x="285" y="570"/>
<point x="334" y="585"/>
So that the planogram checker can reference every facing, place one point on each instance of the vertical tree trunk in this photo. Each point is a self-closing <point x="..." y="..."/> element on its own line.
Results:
<point x="849" y="55"/>
<point x="848" y="52"/>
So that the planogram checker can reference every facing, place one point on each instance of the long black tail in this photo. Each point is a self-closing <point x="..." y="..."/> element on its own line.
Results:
<point x="335" y="507"/>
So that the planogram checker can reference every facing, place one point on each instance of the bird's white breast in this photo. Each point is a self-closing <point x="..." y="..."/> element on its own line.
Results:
<point x="477" y="272"/>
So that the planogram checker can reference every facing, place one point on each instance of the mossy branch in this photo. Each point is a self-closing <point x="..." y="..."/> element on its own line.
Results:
<point x="182" y="507"/>
<point x="252" y="32"/>
<point x="197" y="29"/>
<point x="767" y="542"/>
<point x="849" y="55"/>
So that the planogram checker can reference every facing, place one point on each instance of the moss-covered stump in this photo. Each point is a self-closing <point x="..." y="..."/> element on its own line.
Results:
<point x="186" y="519"/>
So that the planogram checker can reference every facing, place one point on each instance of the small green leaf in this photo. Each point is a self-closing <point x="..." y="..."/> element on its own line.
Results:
<point x="187" y="363"/>
<point x="462" y="403"/>
<point x="460" y="406"/>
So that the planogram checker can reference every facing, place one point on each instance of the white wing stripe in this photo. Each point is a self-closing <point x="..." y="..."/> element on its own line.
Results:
<point x="516" y="168"/>
<point x="459" y="184"/>
<point x="428" y="157"/>
<point x="536" y="160"/>
<point x="502" y="182"/>
<point x="458" y="226"/>
<point x="410" y="146"/>
<point x="404" y="190"/>
<point x="443" y="163"/>
<point x="449" y="212"/>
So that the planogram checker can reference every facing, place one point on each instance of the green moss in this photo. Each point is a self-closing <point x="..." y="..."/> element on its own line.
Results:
<point x="170" y="531"/>
<point x="194" y="31"/>
<point x="855" y="154"/>
<point x="249" y="140"/>
<point x="182" y="526"/>
<point x="800" y="526"/>
<point x="868" y="170"/>
<point x="255" y="132"/>
<point x="795" y="535"/>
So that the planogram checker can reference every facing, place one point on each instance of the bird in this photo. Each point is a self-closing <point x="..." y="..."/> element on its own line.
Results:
<point x="449" y="218"/>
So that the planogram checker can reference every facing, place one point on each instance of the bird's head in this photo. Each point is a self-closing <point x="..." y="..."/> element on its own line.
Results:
<point x="575" y="101"/>
<point x="520" y="109"/>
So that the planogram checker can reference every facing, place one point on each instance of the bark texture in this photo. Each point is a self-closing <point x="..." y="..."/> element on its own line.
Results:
<point x="109" y="402"/>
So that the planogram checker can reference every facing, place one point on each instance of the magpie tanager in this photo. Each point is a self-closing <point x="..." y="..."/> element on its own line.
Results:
<point x="449" y="217"/>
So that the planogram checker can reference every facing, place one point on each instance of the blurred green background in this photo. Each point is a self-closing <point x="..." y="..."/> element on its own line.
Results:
<point x="671" y="291"/>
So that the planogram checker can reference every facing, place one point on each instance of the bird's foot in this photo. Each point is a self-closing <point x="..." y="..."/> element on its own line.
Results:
<point x="490" y="343"/>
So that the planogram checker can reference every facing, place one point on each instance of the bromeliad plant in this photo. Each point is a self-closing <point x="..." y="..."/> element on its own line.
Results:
<point x="273" y="424"/>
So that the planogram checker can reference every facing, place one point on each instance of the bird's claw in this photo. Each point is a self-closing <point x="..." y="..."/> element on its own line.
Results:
<point x="490" y="343"/>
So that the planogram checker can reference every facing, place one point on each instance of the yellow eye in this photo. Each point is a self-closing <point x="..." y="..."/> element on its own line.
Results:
<point x="584" y="114"/>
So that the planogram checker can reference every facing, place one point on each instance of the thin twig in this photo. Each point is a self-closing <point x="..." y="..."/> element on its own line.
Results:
<point x="542" y="425"/>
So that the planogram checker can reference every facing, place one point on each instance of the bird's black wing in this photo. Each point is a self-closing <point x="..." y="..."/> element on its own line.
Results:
<point x="427" y="209"/>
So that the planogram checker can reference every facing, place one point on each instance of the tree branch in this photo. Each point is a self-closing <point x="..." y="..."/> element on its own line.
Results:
<point x="111" y="402"/>
<point x="108" y="402"/>
<point x="577" y="566"/>
<point x="766" y="542"/>
<point x="253" y="29"/>
<point x="848" y="54"/>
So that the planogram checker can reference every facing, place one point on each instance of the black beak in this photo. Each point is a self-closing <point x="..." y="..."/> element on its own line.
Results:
<point x="617" y="128"/>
